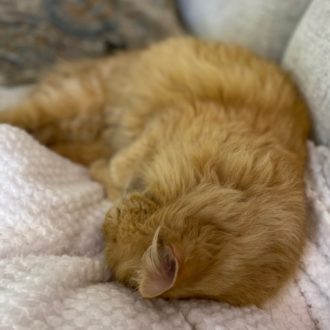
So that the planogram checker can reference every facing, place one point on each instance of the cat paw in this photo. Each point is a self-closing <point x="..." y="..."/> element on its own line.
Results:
<point x="99" y="171"/>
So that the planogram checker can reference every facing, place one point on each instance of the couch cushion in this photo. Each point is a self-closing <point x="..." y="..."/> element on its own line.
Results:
<point x="264" y="26"/>
<point x="308" y="59"/>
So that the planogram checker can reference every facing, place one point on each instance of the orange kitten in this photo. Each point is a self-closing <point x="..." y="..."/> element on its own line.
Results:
<point x="208" y="146"/>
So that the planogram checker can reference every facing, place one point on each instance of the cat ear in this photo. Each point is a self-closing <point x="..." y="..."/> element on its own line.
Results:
<point x="160" y="269"/>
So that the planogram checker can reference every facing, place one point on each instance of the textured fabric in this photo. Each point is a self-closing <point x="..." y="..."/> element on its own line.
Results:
<point x="262" y="25"/>
<point x="308" y="58"/>
<point x="35" y="33"/>
<point x="51" y="270"/>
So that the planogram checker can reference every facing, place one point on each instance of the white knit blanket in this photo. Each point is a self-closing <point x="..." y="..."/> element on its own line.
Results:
<point x="51" y="272"/>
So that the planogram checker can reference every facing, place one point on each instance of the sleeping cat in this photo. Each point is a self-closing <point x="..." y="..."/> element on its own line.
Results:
<point x="201" y="146"/>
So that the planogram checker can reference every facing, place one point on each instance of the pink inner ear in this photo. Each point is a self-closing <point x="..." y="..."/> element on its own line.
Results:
<point x="162" y="276"/>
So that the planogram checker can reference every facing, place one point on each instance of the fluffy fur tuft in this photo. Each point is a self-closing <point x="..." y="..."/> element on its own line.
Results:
<point x="203" y="147"/>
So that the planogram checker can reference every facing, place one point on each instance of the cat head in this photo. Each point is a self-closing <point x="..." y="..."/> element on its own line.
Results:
<point x="208" y="243"/>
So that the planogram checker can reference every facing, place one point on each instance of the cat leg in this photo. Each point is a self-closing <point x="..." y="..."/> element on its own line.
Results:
<point x="122" y="174"/>
<point x="82" y="153"/>
<point x="116" y="180"/>
<point x="72" y="89"/>
<point x="99" y="171"/>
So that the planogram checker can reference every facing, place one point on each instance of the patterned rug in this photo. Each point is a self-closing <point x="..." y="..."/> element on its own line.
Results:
<point x="35" y="33"/>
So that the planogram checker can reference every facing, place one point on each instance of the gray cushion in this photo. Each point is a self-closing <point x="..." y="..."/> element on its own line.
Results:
<point x="262" y="25"/>
<point x="308" y="58"/>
